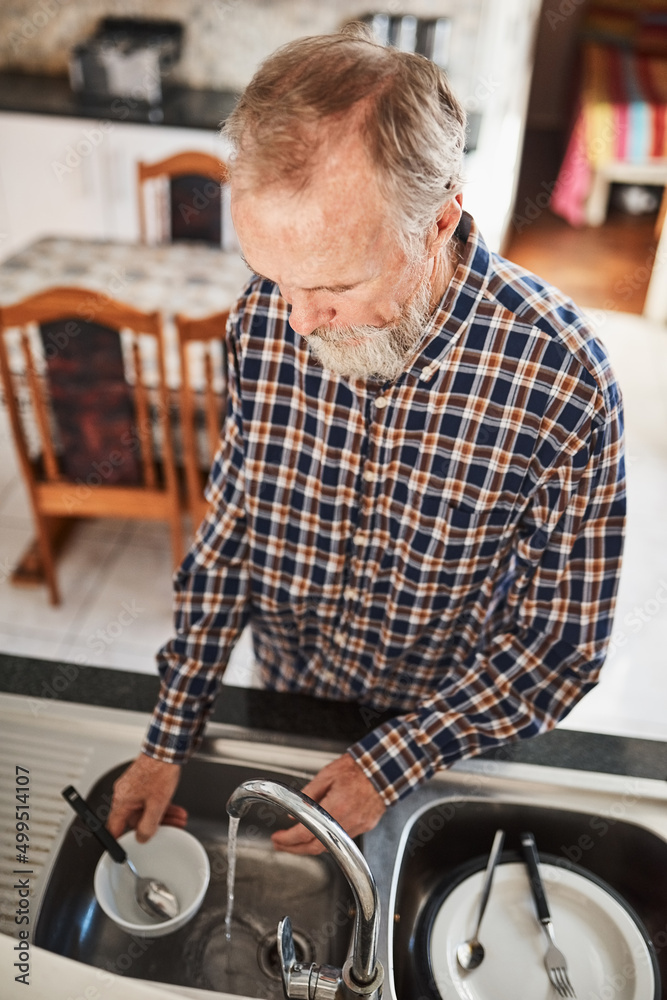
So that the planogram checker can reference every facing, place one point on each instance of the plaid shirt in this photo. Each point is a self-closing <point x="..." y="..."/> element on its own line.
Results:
<point x="446" y="546"/>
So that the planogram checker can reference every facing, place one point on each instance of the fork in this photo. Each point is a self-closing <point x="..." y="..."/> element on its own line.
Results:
<point x="554" y="960"/>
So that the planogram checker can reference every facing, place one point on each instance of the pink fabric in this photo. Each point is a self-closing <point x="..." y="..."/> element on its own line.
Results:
<point x="623" y="102"/>
<point x="574" y="179"/>
<point x="622" y="130"/>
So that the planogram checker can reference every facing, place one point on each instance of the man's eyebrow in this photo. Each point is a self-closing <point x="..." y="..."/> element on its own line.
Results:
<point x="254" y="270"/>
<point x="332" y="288"/>
<point x="315" y="288"/>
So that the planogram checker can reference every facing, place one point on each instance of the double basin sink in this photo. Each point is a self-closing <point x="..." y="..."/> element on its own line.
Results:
<point x="614" y="826"/>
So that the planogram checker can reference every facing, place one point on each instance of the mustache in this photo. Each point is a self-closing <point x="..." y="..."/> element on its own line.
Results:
<point x="374" y="352"/>
<point x="414" y="314"/>
<point x="339" y="334"/>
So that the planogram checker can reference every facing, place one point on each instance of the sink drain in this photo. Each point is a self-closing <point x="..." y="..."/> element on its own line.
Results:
<point x="267" y="953"/>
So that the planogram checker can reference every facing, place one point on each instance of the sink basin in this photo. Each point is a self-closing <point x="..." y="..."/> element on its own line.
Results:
<point x="269" y="885"/>
<point x="613" y="824"/>
<point x="451" y="832"/>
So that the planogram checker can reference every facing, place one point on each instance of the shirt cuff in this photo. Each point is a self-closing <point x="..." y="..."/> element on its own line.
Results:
<point x="174" y="733"/>
<point x="394" y="760"/>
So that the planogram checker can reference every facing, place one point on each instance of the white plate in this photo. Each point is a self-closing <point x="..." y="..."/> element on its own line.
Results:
<point x="606" y="952"/>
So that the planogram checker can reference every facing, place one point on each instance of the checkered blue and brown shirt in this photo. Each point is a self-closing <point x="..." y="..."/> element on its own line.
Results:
<point x="447" y="546"/>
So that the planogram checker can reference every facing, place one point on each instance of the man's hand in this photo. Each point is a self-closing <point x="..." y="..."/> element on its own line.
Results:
<point x="343" y="790"/>
<point x="142" y="798"/>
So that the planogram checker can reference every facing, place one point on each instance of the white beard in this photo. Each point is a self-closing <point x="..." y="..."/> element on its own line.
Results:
<point x="380" y="353"/>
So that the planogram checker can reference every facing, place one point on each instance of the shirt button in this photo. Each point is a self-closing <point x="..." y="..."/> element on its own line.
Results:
<point x="381" y="402"/>
<point x="369" y="476"/>
<point x="349" y="593"/>
<point x="358" y="538"/>
<point x="339" y="638"/>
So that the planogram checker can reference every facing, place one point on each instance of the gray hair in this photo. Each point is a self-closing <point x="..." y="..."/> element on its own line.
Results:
<point x="412" y="125"/>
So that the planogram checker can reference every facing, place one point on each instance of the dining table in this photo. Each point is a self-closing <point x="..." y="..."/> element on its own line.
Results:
<point x="189" y="278"/>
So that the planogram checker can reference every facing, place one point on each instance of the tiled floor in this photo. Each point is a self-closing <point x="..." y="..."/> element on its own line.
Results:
<point x="115" y="583"/>
<point x="115" y="577"/>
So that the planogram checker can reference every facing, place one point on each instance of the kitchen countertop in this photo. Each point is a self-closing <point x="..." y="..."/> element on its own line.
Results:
<point x="182" y="107"/>
<point x="312" y="718"/>
<point x="56" y="978"/>
<point x="67" y="721"/>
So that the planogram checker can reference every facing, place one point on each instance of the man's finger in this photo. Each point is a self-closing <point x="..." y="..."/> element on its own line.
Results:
<point x="121" y="820"/>
<point x="175" y="816"/>
<point x="343" y="790"/>
<point x="142" y="795"/>
<point x="127" y="819"/>
<point x="297" y="840"/>
<point x="311" y="848"/>
<point x="297" y="834"/>
<point x="151" y="819"/>
<point x="318" y="786"/>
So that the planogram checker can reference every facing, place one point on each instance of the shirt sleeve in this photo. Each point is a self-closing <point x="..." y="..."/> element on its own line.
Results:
<point x="210" y="603"/>
<point x="544" y="644"/>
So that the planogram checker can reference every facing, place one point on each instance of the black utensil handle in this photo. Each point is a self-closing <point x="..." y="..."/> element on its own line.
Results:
<point x="94" y="824"/>
<point x="532" y="860"/>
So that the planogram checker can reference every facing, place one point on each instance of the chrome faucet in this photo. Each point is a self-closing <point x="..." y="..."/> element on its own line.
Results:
<point x="362" y="975"/>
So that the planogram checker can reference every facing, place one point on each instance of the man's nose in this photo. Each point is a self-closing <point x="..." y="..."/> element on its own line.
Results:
<point x="307" y="316"/>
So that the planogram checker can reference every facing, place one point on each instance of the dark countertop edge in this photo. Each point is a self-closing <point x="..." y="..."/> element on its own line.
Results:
<point x="182" y="107"/>
<point x="294" y="714"/>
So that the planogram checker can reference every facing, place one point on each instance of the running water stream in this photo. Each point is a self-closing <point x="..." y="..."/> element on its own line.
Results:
<point x="231" y="873"/>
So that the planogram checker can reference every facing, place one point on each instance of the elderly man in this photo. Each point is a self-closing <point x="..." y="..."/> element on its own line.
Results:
<point x="418" y="502"/>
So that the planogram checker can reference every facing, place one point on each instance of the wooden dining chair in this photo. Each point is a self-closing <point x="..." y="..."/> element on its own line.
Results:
<point x="203" y="400"/>
<point x="89" y="412"/>
<point x="189" y="202"/>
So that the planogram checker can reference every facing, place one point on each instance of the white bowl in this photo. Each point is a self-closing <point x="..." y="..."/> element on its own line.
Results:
<point x="172" y="856"/>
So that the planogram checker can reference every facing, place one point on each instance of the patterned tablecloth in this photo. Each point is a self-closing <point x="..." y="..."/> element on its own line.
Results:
<point x="189" y="278"/>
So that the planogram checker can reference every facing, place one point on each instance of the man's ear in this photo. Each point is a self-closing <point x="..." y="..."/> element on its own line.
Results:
<point x="445" y="225"/>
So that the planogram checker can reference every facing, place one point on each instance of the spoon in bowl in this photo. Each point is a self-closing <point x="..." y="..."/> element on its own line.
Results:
<point x="152" y="896"/>
<point x="470" y="954"/>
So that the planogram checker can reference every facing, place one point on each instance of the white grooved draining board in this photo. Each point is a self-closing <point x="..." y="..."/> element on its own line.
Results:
<point x="60" y="744"/>
<point x="51" y="765"/>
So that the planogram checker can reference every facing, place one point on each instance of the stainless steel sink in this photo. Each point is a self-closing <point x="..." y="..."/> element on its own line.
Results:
<point x="628" y="857"/>
<point x="615" y="826"/>
<point x="269" y="885"/>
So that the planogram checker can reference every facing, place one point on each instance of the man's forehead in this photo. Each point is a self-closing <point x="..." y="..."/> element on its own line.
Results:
<point x="341" y="180"/>
<point x="317" y="228"/>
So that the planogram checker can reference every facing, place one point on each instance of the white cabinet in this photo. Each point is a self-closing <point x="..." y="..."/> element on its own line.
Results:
<point x="50" y="177"/>
<point x="77" y="177"/>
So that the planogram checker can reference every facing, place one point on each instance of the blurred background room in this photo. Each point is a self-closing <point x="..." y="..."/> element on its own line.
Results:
<point x="109" y="124"/>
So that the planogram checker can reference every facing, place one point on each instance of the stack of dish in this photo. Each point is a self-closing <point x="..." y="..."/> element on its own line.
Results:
<point x="609" y="952"/>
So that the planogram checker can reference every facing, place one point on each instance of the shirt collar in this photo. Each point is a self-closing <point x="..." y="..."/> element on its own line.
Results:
<point x="458" y="304"/>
